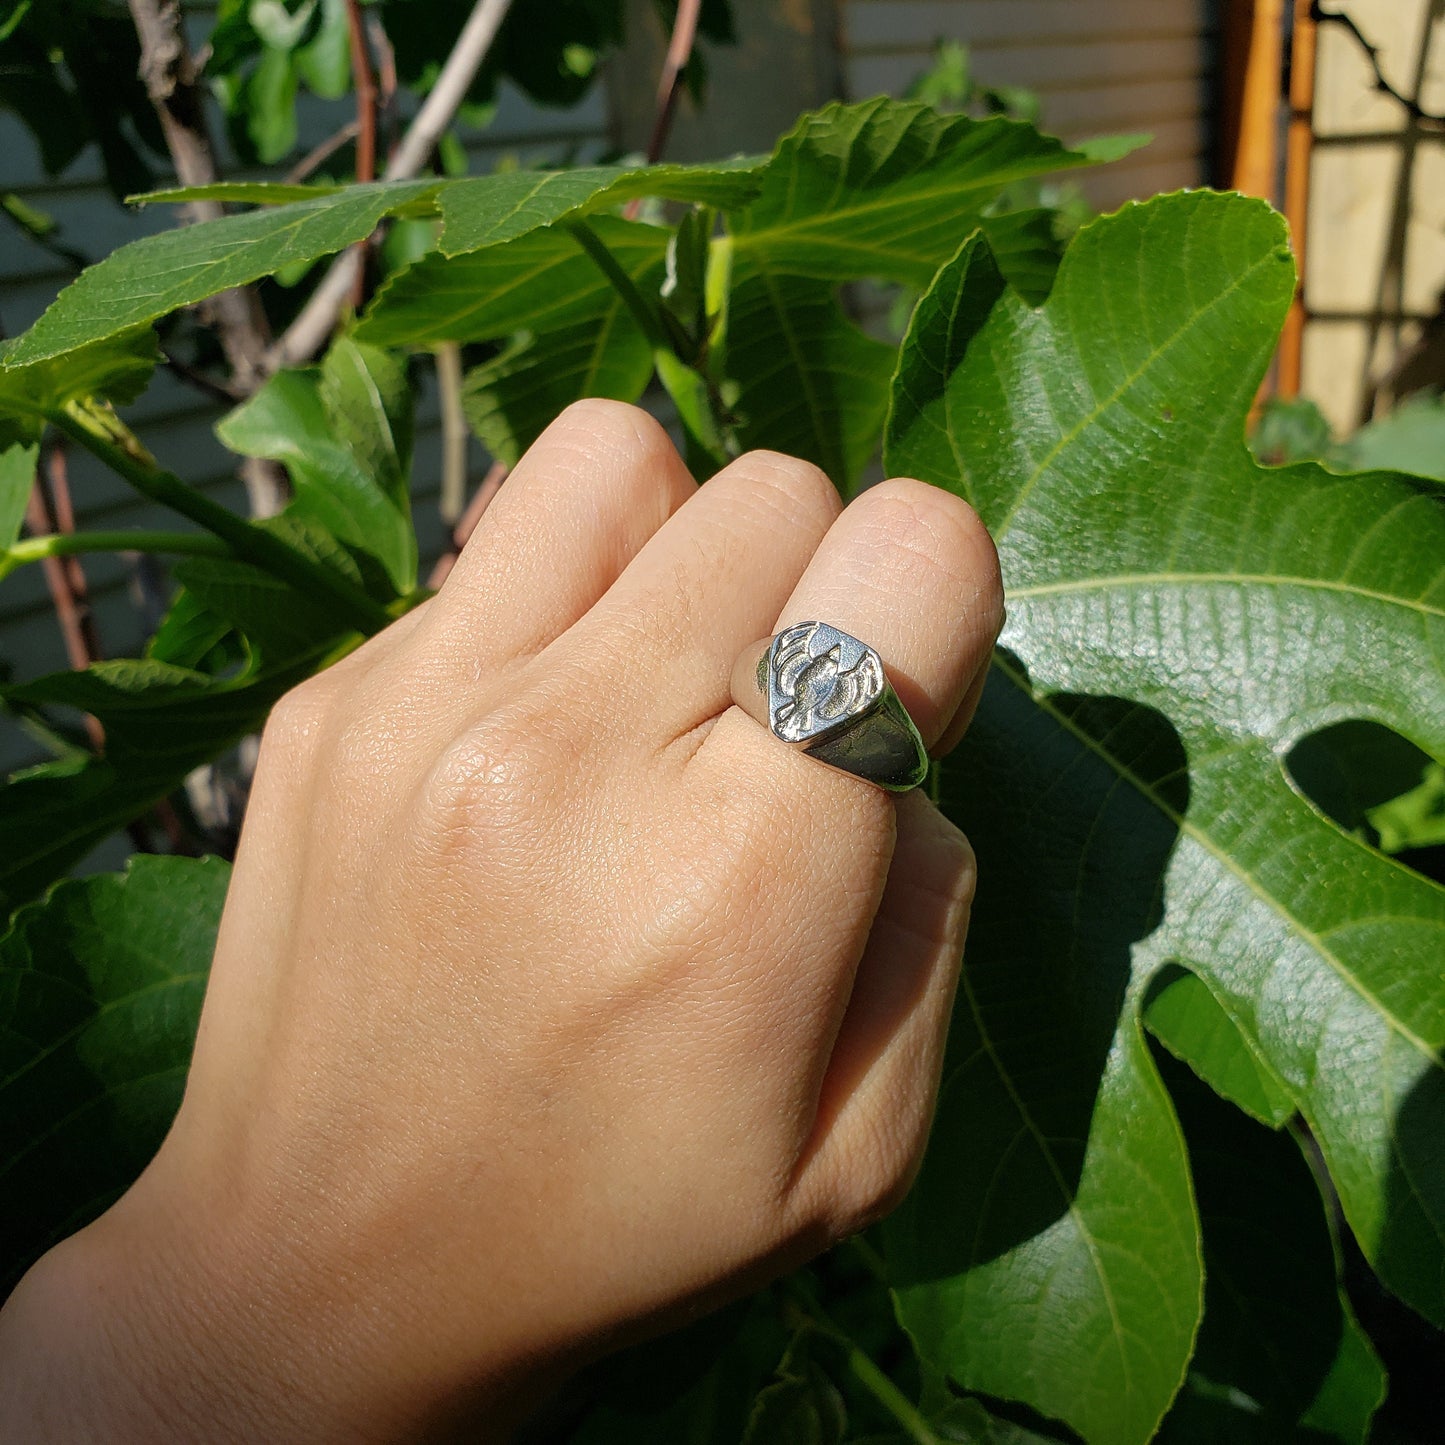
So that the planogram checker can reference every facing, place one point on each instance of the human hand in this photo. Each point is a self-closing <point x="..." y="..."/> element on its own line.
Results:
<point x="553" y="997"/>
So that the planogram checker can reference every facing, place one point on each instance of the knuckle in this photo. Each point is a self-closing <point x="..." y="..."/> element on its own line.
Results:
<point x="615" y="427"/>
<point x="942" y="531"/>
<point x="877" y="1176"/>
<point x="798" y="486"/>
<point x="488" y="796"/>
<point x="300" y="718"/>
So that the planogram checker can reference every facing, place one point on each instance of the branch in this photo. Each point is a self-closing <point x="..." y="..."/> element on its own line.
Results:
<point x="49" y="516"/>
<point x="321" y="153"/>
<point x="669" y="86"/>
<point x="105" y="436"/>
<point x="171" y="80"/>
<point x="44" y="545"/>
<point x="307" y="334"/>
<point x="448" y="356"/>
<point x="1372" y="53"/>
<point x="363" y="82"/>
<point x="621" y="282"/>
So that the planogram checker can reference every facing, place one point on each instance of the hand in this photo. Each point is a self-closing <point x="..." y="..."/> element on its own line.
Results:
<point x="553" y="997"/>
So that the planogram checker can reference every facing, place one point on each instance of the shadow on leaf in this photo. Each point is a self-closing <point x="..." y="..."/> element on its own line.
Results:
<point x="1071" y="863"/>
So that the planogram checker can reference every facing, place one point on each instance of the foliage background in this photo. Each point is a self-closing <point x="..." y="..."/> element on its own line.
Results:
<point x="1218" y="695"/>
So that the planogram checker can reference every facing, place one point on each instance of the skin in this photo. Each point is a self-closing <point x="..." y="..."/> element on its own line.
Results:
<point x="554" y="1001"/>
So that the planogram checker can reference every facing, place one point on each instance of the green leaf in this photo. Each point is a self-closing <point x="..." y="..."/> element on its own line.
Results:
<point x="266" y="108"/>
<point x="1049" y="1250"/>
<point x="802" y="1406"/>
<point x="1354" y="1389"/>
<point x="277" y="26"/>
<point x="71" y="74"/>
<point x="1410" y="439"/>
<point x="156" y="275"/>
<point x="694" y="1387"/>
<point x="239" y="193"/>
<point x="1415" y="819"/>
<point x="17" y="479"/>
<point x="162" y="716"/>
<point x="161" y="722"/>
<point x="323" y="62"/>
<point x="1275" y="1321"/>
<point x="800" y="376"/>
<point x="116" y="369"/>
<point x="888" y="188"/>
<point x="539" y="282"/>
<point x="1186" y="1018"/>
<point x="1148" y="558"/>
<point x="1290" y="430"/>
<point x="1026" y="249"/>
<point x="344" y="434"/>
<point x="511" y="399"/>
<point x="486" y="210"/>
<point x="100" y="994"/>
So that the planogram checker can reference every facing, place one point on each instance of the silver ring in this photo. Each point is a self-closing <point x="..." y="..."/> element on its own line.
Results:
<point x="825" y="693"/>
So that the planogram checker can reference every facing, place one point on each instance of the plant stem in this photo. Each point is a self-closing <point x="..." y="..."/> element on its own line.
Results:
<point x="173" y="83"/>
<point x="308" y="332"/>
<point x="679" y="52"/>
<point x="363" y="82"/>
<point x="453" y="502"/>
<point x="74" y="544"/>
<point x="621" y="282"/>
<point x="872" y="1260"/>
<point x="105" y="436"/>
<point x="863" y="1369"/>
<point x="890" y="1397"/>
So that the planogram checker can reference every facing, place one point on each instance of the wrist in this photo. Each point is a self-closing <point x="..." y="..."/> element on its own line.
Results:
<point x="79" y="1357"/>
<point x="140" y="1329"/>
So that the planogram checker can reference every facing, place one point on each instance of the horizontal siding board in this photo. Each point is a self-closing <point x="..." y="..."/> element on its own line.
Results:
<point x="1089" y="110"/>
<point x="1112" y="186"/>
<point x="895" y="24"/>
<point x="519" y="120"/>
<point x="1044" y="67"/>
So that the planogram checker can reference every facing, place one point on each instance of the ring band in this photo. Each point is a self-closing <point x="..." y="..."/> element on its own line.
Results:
<point x="824" y="692"/>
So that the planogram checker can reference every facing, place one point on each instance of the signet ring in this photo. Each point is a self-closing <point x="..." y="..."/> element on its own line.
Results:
<point x="824" y="692"/>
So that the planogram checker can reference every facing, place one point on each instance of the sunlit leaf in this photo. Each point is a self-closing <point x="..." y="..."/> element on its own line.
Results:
<point x="100" y="992"/>
<point x="1234" y="610"/>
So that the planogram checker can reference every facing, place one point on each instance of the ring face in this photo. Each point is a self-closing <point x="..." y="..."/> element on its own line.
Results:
<point x="819" y="680"/>
<point x="825" y="693"/>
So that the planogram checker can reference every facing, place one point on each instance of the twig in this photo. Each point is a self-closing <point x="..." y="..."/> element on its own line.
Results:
<point x="454" y="432"/>
<point x="49" y="513"/>
<point x="319" y="155"/>
<point x="306" y="335"/>
<point x="172" y="81"/>
<point x="381" y="48"/>
<point x="363" y="82"/>
<point x="437" y="111"/>
<point x="669" y="85"/>
<point x="621" y="282"/>
<point x="1413" y="108"/>
<point x="106" y="437"/>
<point x="45" y="545"/>
<point x="216" y="390"/>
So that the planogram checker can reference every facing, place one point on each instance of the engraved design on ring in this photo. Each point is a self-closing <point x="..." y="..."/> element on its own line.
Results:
<point x="824" y="692"/>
